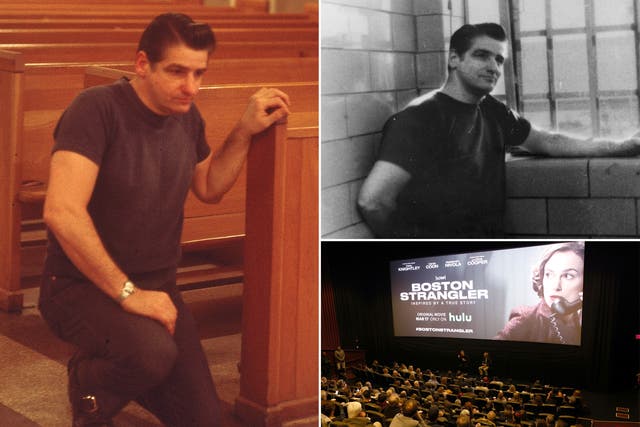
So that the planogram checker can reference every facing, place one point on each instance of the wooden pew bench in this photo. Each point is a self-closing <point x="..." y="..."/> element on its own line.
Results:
<point x="123" y="23"/>
<point x="128" y="35"/>
<point x="119" y="52"/>
<point x="218" y="228"/>
<point x="82" y="12"/>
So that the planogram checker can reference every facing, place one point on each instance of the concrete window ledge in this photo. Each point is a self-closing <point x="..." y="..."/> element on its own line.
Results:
<point x="585" y="197"/>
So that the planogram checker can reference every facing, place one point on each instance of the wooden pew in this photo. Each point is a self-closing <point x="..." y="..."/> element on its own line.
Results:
<point x="113" y="23"/>
<point x="11" y="82"/>
<point x="225" y="71"/>
<point x="121" y="35"/>
<point x="118" y="52"/>
<point x="225" y="219"/>
<point x="198" y="14"/>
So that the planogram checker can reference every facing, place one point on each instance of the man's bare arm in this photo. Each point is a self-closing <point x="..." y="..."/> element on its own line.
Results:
<point x="71" y="182"/>
<point x="377" y="198"/>
<point x="215" y="175"/>
<point x="558" y="145"/>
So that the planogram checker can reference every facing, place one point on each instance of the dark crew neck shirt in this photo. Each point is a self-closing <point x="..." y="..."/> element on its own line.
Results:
<point x="146" y="163"/>
<point x="455" y="154"/>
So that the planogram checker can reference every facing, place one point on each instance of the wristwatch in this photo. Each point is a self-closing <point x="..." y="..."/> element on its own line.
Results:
<point x="127" y="290"/>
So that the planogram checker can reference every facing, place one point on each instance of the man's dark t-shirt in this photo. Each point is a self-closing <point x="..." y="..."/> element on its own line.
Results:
<point x="455" y="154"/>
<point x="146" y="163"/>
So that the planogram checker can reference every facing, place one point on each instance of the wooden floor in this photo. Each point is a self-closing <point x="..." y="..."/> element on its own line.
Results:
<point x="33" y="362"/>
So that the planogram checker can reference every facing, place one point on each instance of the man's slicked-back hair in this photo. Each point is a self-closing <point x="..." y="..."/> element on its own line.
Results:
<point x="170" y="29"/>
<point x="462" y="39"/>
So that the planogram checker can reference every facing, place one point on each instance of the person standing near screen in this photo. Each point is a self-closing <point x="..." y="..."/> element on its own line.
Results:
<point x="558" y="281"/>
<point x="463" y="362"/>
<point x="340" y="359"/>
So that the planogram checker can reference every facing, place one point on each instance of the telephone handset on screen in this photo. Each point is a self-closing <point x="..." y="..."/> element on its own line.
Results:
<point x="562" y="306"/>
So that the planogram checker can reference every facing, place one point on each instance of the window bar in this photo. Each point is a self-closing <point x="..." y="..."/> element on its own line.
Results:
<point x="506" y="19"/>
<point x="636" y="26"/>
<point x="592" y="62"/>
<point x="553" y="102"/>
<point x="516" y="49"/>
<point x="465" y="7"/>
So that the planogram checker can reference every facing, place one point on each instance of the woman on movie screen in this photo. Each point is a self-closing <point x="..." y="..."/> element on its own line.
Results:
<point x="557" y="318"/>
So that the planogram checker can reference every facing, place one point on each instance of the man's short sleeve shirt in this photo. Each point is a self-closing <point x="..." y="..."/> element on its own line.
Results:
<point x="455" y="155"/>
<point x="146" y="162"/>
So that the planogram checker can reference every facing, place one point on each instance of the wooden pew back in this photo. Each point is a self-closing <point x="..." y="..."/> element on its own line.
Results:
<point x="118" y="52"/>
<point x="198" y="14"/>
<point x="132" y="35"/>
<point x="129" y="23"/>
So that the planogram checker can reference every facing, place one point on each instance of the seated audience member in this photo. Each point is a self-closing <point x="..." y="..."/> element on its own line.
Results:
<point x="464" y="420"/>
<point x="481" y="390"/>
<point x="488" y="406"/>
<point x="508" y="415"/>
<point x="381" y="400"/>
<point x="433" y="416"/>
<point x="432" y="382"/>
<point x="409" y="416"/>
<point x="483" y="369"/>
<point x="488" y="420"/>
<point x="497" y="384"/>
<point x="551" y="419"/>
<point x="357" y="417"/>
<point x="393" y="406"/>
<point x="344" y="389"/>
<point x="576" y="400"/>
<point x="540" y="422"/>
<point x="327" y="413"/>
<point x="365" y="396"/>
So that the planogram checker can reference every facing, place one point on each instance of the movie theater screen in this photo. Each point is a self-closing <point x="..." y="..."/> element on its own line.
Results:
<point x="529" y="294"/>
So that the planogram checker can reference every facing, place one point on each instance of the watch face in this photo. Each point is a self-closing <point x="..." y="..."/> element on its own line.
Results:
<point x="128" y="289"/>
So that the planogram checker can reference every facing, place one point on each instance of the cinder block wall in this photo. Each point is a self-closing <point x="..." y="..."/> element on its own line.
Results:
<point x="597" y="198"/>
<point x="377" y="55"/>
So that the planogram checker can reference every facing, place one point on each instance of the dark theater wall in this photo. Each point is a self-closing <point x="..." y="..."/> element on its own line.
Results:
<point x="358" y="275"/>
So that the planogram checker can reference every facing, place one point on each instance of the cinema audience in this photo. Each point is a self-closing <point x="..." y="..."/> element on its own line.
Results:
<point x="465" y="401"/>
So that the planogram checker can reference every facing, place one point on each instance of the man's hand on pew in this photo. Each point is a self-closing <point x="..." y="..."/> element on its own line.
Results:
<point x="266" y="106"/>
<point x="214" y="176"/>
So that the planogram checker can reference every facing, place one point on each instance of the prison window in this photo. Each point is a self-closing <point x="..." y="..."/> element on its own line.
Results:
<point x="574" y="65"/>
